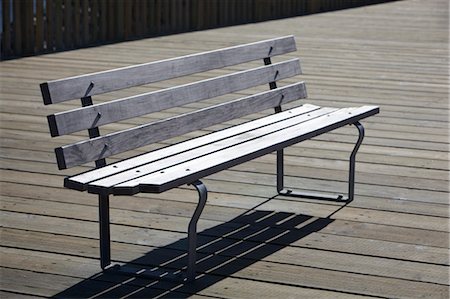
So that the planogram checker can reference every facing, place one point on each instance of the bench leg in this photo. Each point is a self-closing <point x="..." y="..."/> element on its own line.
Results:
<point x="105" y="248"/>
<point x="152" y="273"/>
<point x="339" y="197"/>
<point x="280" y="171"/>
<point x="351" y="178"/>
<point x="192" y="229"/>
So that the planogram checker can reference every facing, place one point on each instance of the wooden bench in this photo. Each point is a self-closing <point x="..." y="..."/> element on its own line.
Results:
<point x="189" y="161"/>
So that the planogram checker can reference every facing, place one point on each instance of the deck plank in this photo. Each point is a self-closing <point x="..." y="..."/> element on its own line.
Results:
<point x="391" y="241"/>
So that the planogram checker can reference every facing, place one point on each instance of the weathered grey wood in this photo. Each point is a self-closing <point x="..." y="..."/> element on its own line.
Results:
<point x="105" y="113"/>
<point x="79" y="181"/>
<point x="190" y="171"/>
<point x="224" y="141"/>
<point x="105" y="146"/>
<point x="97" y="83"/>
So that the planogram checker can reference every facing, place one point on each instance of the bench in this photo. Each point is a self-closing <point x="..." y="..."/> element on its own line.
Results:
<point x="189" y="161"/>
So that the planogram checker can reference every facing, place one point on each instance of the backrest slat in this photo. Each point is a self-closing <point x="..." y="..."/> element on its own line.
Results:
<point x="96" y="115"/>
<point x="97" y="83"/>
<point x="114" y="143"/>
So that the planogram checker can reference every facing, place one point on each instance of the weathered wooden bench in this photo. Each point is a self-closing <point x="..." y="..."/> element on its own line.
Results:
<point x="189" y="161"/>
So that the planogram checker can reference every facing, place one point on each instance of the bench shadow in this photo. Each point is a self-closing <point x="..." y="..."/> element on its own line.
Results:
<point x="223" y="250"/>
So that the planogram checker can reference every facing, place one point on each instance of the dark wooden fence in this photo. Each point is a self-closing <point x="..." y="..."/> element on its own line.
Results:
<point x="32" y="27"/>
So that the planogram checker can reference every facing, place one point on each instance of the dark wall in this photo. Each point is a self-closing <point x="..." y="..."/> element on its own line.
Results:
<point x="31" y="27"/>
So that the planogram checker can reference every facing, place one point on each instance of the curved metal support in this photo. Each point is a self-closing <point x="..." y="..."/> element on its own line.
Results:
<point x="321" y="196"/>
<point x="159" y="274"/>
<point x="351" y="178"/>
<point x="192" y="229"/>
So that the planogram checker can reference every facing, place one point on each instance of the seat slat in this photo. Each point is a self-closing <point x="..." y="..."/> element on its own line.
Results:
<point x="191" y="170"/>
<point x="101" y="82"/>
<point x="268" y="126"/>
<point x="105" y="113"/>
<point x="114" y="143"/>
<point x="80" y="181"/>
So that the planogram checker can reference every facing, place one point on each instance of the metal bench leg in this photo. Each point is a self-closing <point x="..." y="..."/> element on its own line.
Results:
<point x="280" y="171"/>
<point x="338" y="197"/>
<point x="154" y="272"/>
<point x="105" y="248"/>
<point x="192" y="230"/>
<point x="351" y="178"/>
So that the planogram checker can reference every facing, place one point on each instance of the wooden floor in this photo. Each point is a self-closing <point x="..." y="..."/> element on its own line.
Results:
<point x="392" y="241"/>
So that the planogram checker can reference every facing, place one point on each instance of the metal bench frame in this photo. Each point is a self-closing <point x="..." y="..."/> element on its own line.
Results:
<point x="321" y="196"/>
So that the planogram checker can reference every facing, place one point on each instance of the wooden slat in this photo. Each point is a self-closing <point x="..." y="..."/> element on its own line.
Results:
<point x="85" y="14"/>
<point x="39" y="34"/>
<point x="49" y="33"/>
<point x="190" y="171"/>
<point x="127" y="11"/>
<point x="151" y="26"/>
<point x="110" y="18"/>
<point x="76" y="35"/>
<point x="103" y="20"/>
<point x="172" y="5"/>
<point x="114" y="143"/>
<point x="144" y="17"/>
<point x="158" y="15"/>
<point x="102" y="82"/>
<point x="6" y="34"/>
<point x="79" y="181"/>
<point x="58" y="10"/>
<point x="165" y="17"/>
<point x="17" y="23"/>
<point x="101" y="114"/>
<point x="95" y="22"/>
<point x="68" y="24"/>
<point x="28" y="30"/>
<point x="119" y="20"/>
<point x="224" y="140"/>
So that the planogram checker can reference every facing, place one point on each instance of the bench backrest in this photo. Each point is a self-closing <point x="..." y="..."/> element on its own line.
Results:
<point x="92" y="116"/>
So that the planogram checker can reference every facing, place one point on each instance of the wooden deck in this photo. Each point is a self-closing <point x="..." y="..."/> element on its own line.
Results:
<point x="392" y="241"/>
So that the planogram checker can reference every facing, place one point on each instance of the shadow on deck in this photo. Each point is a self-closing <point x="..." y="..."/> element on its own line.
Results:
<point x="222" y="251"/>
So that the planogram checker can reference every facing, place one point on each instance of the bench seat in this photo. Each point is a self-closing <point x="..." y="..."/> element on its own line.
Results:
<point x="188" y="161"/>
